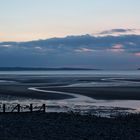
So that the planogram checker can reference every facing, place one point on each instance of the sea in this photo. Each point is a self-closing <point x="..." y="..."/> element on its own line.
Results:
<point x="124" y="73"/>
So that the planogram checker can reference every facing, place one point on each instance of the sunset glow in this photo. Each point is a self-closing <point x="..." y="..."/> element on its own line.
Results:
<point x="31" y="20"/>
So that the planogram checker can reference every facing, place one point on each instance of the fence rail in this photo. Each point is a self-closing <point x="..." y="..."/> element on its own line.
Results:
<point x="20" y="108"/>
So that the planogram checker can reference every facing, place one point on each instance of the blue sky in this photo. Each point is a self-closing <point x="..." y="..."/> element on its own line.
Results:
<point x="22" y="20"/>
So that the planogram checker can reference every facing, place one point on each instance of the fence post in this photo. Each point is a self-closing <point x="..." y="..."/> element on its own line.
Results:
<point x="18" y="108"/>
<point x="31" y="108"/>
<point x="44" y="108"/>
<point x="4" y="108"/>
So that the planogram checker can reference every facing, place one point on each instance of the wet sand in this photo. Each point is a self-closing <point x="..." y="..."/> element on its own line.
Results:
<point x="20" y="85"/>
<point x="69" y="126"/>
<point x="103" y="93"/>
<point x="22" y="91"/>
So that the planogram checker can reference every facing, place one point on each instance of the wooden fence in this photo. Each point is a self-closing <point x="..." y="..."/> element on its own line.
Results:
<point x="18" y="108"/>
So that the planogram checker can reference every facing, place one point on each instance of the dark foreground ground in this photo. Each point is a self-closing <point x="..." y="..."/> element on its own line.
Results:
<point x="62" y="126"/>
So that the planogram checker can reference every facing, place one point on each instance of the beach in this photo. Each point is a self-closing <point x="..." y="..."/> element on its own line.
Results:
<point x="95" y="87"/>
<point x="71" y="90"/>
<point x="82" y="107"/>
<point x="68" y="126"/>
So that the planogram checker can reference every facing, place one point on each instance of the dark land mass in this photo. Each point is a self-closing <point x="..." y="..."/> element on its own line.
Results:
<point x="63" y="126"/>
<point x="40" y="69"/>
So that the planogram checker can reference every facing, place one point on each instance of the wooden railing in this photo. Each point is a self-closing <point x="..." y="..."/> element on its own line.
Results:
<point x="18" y="108"/>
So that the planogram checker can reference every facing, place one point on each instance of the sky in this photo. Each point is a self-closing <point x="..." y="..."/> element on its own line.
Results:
<point x="102" y="34"/>
<point x="24" y="20"/>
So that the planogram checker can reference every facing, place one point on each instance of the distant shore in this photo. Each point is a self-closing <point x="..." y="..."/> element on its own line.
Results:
<point x="41" y="69"/>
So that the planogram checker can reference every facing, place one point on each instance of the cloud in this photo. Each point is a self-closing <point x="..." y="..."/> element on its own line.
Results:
<point x="137" y="54"/>
<point x="83" y="43"/>
<point x="6" y="45"/>
<point x="132" y="43"/>
<point x="38" y="48"/>
<point x="117" y="48"/>
<point x="116" y="31"/>
<point x="120" y="31"/>
<point x="103" y="51"/>
<point x="83" y="50"/>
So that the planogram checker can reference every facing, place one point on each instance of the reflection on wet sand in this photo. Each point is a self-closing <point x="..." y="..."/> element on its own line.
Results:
<point x="82" y="93"/>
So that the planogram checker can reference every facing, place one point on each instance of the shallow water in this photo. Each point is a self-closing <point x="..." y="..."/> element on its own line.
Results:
<point x="79" y="102"/>
<point x="101" y="73"/>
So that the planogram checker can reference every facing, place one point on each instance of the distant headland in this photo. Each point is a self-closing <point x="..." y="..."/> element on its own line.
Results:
<point x="41" y="68"/>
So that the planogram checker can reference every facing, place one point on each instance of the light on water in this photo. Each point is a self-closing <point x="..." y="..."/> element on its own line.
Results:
<point x="113" y="73"/>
